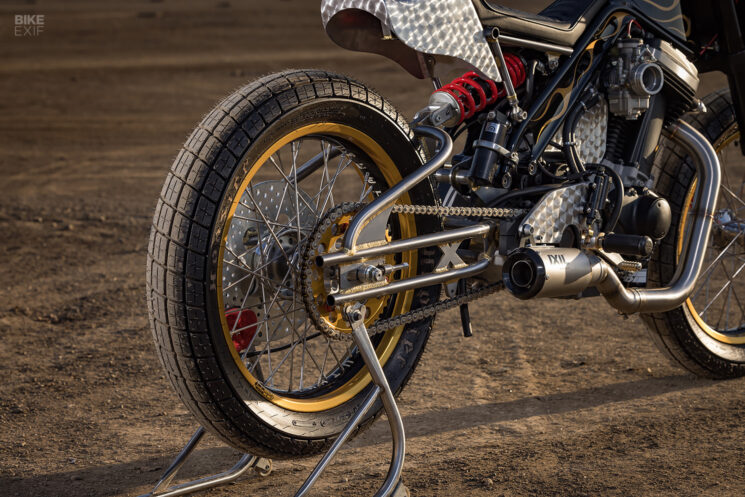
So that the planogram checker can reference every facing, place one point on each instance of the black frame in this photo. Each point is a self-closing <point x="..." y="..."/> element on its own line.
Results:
<point x="606" y="27"/>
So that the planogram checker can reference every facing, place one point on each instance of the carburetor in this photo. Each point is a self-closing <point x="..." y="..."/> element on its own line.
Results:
<point x="633" y="77"/>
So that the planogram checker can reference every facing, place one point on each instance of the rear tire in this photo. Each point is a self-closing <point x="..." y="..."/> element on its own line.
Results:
<point x="682" y="334"/>
<point x="185" y="260"/>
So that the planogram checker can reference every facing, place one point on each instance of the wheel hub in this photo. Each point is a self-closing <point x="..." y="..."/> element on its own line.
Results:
<point x="318" y="283"/>
<point x="262" y="255"/>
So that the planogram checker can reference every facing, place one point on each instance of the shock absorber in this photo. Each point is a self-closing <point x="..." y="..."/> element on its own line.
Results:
<point x="487" y="150"/>
<point x="462" y="99"/>
<point x="469" y="94"/>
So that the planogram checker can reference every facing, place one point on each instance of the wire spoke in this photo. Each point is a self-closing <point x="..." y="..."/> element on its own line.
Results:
<point x="726" y="285"/>
<point x="730" y="282"/>
<point x="713" y="263"/>
<point x="289" y="182"/>
<point x="265" y="277"/>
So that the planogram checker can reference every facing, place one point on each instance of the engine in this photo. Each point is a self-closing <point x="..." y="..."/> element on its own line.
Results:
<point x="641" y="70"/>
<point x="634" y="76"/>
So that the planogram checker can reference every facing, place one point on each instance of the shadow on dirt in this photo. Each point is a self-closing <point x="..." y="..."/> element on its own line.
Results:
<point x="121" y="477"/>
<point x="86" y="482"/>
<point x="442" y="421"/>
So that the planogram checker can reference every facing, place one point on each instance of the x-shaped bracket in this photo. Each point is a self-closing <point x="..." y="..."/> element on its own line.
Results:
<point x="450" y="260"/>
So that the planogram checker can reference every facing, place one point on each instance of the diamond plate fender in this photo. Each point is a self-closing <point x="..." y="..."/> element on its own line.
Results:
<point x="444" y="27"/>
<point x="555" y="212"/>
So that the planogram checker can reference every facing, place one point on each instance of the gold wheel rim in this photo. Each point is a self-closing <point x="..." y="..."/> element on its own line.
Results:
<point x="390" y="339"/>
<point x="708" y="329"/>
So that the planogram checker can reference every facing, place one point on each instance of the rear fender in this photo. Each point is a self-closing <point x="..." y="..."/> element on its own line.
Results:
<point x="403" y="29"/>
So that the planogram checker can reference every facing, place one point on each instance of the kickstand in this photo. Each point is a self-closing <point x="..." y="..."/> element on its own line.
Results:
<point x="393" y="486"/>
<point x="246" y="462"/>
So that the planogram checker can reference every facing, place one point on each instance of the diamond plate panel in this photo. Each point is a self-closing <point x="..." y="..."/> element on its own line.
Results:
<point x="557" y="211"/>
<point x="592" y="133"/>
<point x="442" y="27"/>
<point x="376" y="7"/>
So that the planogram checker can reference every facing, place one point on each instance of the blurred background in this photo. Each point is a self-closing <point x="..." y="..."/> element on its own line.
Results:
<point x="95" y="102"/>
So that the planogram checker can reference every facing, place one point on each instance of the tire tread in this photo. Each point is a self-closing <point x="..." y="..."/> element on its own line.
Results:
<point x="177" y="251"/>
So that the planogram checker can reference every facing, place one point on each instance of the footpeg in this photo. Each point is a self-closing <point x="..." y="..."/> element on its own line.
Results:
<point x="634" y="245"/>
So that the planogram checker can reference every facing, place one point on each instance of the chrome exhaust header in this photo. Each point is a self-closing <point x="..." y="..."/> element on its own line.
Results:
<point x="631" y="300"/>
<point x="556" y="272"/>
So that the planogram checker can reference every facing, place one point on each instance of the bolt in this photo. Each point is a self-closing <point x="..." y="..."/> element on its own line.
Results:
<point x="506" y="180"/>
<point x="527" y="230"/>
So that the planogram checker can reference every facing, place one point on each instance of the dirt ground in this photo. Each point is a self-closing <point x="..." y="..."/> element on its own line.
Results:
<point x="548" y="398"/>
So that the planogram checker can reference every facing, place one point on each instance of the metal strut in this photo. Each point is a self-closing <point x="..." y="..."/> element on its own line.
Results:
<point x="164" y="489"/>
<point x="392" y="487"/>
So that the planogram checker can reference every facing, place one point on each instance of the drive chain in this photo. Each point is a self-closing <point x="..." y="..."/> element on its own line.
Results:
<point x="412" y="316"/>
<point x="432" y="309"/>
<point x="443" y="210"/>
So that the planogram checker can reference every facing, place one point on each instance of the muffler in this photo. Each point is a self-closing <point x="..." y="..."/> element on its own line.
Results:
<point x="531" y="272"/>
<point x="550" y="272"/>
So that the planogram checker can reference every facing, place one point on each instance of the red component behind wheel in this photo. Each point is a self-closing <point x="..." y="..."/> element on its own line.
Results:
<point x="245" y="328"/>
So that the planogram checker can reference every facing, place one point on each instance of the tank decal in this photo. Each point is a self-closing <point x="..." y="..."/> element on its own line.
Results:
<point x="667" y="13"/>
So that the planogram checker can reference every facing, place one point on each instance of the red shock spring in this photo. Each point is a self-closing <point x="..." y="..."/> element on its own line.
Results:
<point x="470" y="87"/>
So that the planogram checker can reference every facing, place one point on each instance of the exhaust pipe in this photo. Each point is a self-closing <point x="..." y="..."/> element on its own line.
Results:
<point x="631" y="300"/>
<point x="558" y="272"/>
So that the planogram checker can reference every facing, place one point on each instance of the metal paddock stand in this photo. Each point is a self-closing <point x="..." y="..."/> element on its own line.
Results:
<point x="164" y="489"/>
<point x="392" y="487"/>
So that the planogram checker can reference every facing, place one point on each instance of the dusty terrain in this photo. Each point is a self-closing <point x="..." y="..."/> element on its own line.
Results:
<point x="548" y="398"/>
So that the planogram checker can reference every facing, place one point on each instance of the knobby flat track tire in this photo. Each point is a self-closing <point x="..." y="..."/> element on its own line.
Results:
<point x="187" y="232"/>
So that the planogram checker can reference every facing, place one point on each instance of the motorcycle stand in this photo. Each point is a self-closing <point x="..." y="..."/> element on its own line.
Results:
<point x="393" y="485"/>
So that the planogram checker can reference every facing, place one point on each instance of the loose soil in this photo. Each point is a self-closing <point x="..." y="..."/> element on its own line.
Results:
<point x="548" y="398"/>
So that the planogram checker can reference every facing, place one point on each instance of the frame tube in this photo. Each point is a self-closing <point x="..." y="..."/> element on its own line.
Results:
<point x="410" y="283"/>
<point x="389" y="197"/>
<point x="404" y="245"/>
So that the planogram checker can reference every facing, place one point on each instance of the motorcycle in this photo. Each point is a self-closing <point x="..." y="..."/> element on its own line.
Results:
<point x="308" y="233"/>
